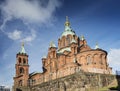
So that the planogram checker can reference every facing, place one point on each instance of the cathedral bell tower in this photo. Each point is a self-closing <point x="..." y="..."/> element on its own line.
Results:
<point x="22" y="69"/>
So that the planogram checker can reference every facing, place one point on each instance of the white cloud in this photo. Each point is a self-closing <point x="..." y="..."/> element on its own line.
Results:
<point x="20" y="35"/>
<point x="6" y="19"/>
<point x="29" y="11"/>
<point x="114" y="59"/>
<point x="15" y="35"/>
<point x="31" y="37"/>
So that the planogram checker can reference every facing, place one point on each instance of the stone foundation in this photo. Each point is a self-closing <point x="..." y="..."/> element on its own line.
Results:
<point x="76" y="82"/>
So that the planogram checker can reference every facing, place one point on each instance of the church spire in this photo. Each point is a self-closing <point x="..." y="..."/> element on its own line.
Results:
<point x="22" y="48"/>
<point x="68" y="30"/>
<point x="82" y="37"/>
<point x="96" y="46"/>
<point x="67" y="23"/>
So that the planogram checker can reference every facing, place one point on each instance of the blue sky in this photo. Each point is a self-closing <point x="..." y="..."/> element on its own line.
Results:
<point x="37" y="22"/>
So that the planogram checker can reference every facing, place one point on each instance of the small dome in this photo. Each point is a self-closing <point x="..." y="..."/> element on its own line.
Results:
<point x="82" y="37"/>
<point x="96" y="46"/>
<point x="52" y="44"/>
<point x="44" y="57"/>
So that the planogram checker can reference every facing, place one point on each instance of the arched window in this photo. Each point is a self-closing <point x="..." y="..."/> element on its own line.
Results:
<point x="21" y="70"/>
<point x="88" y="60"/>
<point x="54" y="54"/>
<point x="33" y="81"/>
<point x="24" y="61"/>
<point x="68" y="39"/>
<point x="19" y="59"/>
<point x="74" y="36"/>
<point x="82" y="60"/>
<point x="63" y="42"/>
<point x="20" y="83"/>
<point x="74" y="49"/>
<point x="96" y="56"/>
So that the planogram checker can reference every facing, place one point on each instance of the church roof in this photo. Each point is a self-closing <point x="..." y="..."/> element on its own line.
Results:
<point x="34" y="73"/>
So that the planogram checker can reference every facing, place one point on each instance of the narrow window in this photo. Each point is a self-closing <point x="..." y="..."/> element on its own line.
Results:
<point x="20" y="83"/>
<point x="63" y="42"/>
<point x="74" y="36"/>
<point x="21" y="70"/>
<point x="19" y="59"/>
<point x="88" y="60"/>
<point x="68" y="40"/>
<point x="24" y="61"/>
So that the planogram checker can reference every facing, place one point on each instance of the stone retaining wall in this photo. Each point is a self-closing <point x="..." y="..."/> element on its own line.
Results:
<point x="77" y="82"/>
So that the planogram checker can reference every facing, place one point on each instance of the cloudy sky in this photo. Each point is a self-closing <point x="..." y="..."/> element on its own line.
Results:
<point x="37" y="22"/>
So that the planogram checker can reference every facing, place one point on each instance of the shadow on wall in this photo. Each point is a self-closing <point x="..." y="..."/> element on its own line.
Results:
<point x="118" y="82"/>
<point x="17" y="89"/>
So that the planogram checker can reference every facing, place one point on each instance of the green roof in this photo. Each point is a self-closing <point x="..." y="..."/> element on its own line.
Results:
<point x="64" y="49"/>
<point x="65" y="33"/>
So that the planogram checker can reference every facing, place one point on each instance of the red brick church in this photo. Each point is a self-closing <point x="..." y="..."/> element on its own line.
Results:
<point x="73" y="54"/>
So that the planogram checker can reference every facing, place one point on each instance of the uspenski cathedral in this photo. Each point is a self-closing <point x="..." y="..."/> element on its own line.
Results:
<point x="73" y="54"/>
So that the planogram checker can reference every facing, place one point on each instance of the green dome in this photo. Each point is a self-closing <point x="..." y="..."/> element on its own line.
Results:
<point x="65" y="33"/>
<point x="68" y="31"/>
